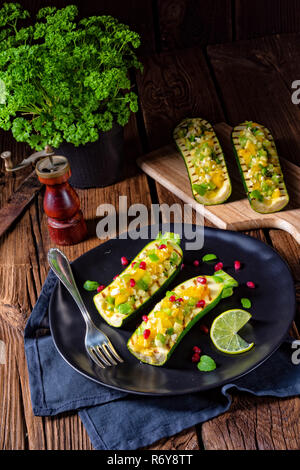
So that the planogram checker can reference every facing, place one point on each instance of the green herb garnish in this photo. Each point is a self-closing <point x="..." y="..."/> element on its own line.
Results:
<point x="209" y="257"/>
<point x="206" y="364"/>
<point x="246" y="303"/>
<point x="91" y="285"/>
<point x="153" y="257"/>
<point x="124" y="308"/>
<point x="227" y="292"/>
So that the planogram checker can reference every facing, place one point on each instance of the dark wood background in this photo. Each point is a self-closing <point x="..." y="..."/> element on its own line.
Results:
<point x="223" y="60"/>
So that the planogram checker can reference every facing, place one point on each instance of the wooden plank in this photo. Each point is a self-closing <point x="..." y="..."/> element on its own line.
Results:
<point x="260" y="18"/>
<point x="254" y="82"/>
<point x="174" y="86"/>
<point x="255" y="423"/>
<point x="12" y="425"/>
<point x="167" y="167"/>
<point x="191" y="22"/>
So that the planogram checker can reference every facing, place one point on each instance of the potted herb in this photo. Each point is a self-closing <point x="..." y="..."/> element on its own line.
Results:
<point x="66" y="85"/>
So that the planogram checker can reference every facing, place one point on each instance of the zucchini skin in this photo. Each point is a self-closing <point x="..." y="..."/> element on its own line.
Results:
<point x="196" y="196"/>
<point x="228" y="282"/>
<point x="251" y="200"/>
<point x="153" y="296"/>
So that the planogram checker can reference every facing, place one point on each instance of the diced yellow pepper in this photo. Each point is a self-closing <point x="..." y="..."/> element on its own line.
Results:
<point x="217" y="179"/>
<point x="120" y="299"/>
<point x="276" y="193"/>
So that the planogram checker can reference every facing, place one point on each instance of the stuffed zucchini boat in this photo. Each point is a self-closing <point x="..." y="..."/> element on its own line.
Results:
<point x="162" y="330"/>
<point x="258" y="162"/>
<point x="204" y="160"/>
<point x="151" y="270"/>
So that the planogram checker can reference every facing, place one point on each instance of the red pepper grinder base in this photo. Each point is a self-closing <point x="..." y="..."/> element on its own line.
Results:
<point x="61" y="203"/>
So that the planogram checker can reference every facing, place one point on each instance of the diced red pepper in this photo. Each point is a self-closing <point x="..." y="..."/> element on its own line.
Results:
<point x="100" y="288"/>
<point x="145" y="318"/>
<point x="161" y="247"/>
<point x="146" y="334"/>
<point x="132" y="264"/>
<point x="179" y="300"/>
<point x="142" y="265"/>
<point x="132" y="282"/>
<point x="124" y="261"/>
<point x="172" y="298"/>
<point x="200" y="304"/>
<point x="196" y="262"/>
<point x="117" y="275"/>
<point x="201" y="280"/>
<point x="182" y="266"/>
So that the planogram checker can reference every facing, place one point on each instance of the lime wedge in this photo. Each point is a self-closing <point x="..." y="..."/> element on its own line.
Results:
<point x="224" y="332"/>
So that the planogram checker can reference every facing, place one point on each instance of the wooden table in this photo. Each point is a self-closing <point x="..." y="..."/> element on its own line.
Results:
<point x="232" y="82"/>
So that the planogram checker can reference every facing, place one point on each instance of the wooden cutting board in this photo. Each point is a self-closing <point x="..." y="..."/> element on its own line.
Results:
<point x="167" y="167"/>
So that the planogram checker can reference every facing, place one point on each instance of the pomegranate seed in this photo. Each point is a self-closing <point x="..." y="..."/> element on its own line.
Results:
<point x="179" y="300"/>
<point x="204" y="329"/>
<point x="132" y="282"/>
<point x="237" y="265"/>
<point x="100" y="288"/>
<point x="218" y="266"/>
<point x="172" y="298"/>
<point x="146" y="334"/>
<point x="117" y="275"/>
<point x="195" y="357"/>
<point x="201" y="280"/>
<point x="161" y="247"/>
<point x="196" y="350"/>
<point x="251" y="284"/>
<point x="200" y="304"/>
<point x="145" y="318"/>
<point x="132" y="264"/>
<point x="196" y="262"/>
<point x="182" y="266"/>
<point x="124" y="261"/>
<point x="142" y="265"/>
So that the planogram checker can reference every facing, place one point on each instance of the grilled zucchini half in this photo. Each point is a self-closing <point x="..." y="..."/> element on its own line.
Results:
<point x="151" y="270"/>
<point x="203" y="156"/>
<point x="259" y="165"/>
<point x="155" y="339"/>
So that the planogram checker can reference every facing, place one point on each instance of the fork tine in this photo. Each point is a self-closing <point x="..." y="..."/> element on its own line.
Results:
<point x="114" y="352"/>
<point x="108" y="355"/>
<point x="102" y="356"/>
<point x="94" y="357"/>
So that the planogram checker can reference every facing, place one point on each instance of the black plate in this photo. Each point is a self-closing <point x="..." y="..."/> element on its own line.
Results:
<point x="273" y="308"/>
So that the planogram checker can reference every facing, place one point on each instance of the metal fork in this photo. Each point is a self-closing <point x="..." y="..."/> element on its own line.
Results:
<point x="97" y="344"/>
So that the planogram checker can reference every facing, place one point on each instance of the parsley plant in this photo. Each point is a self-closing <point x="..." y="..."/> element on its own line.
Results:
<point x="66" y="79"/>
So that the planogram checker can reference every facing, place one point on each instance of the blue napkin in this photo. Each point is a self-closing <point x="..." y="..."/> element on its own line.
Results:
<point x="118" y="421"/>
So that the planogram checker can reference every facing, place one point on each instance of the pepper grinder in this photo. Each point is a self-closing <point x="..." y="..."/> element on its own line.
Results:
<point x="61" y="203"/>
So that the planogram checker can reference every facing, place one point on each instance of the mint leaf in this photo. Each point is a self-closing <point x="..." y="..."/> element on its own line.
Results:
<point x="206" y="364"/>
<point x="90" y="285"/>
<point x="227" y="292"/>
<point x="209" y="257"/>
<point x="246" y="303"/>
